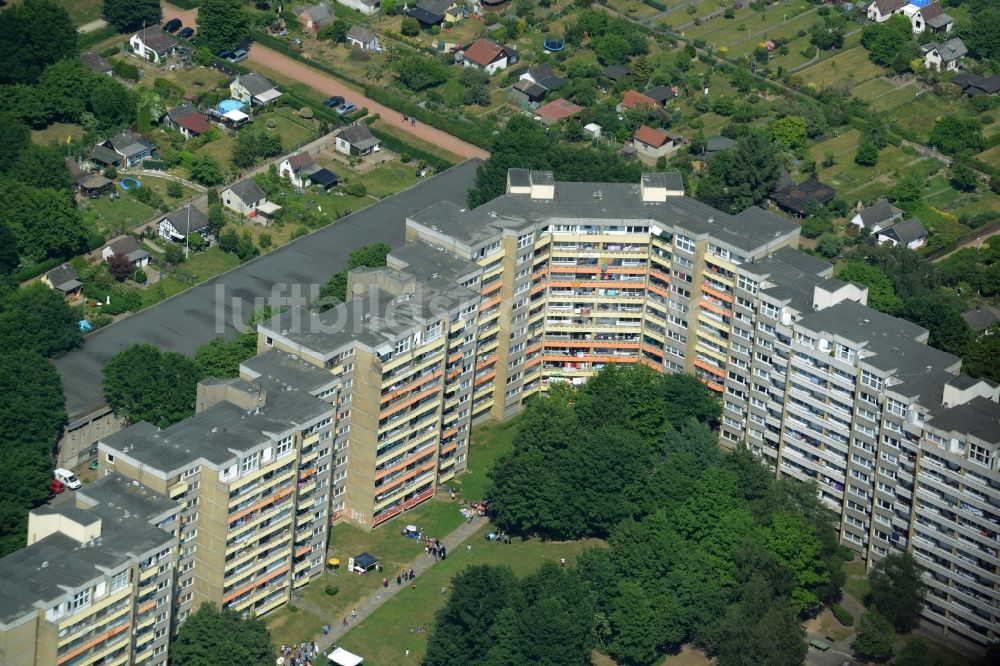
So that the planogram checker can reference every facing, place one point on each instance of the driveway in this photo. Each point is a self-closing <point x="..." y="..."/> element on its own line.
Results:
<point x="269" y="59"/>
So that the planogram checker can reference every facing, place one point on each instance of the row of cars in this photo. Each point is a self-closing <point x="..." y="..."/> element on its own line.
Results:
<point x="338" y="104"/>
<point x="174" y="25"/>
<point x="235" y="55"/>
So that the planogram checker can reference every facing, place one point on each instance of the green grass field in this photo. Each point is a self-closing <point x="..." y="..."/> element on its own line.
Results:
<point x="199" y="267"/>
<point x="851" y="66"/>
<point x="107" y="216"/>
<point x="56" y="133"/>
<point x="80" y="11"/>
<point x="437" y="517"/>
<point x="991" y="156"/>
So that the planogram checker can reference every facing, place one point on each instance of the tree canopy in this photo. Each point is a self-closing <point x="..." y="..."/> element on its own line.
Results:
<point x="890" y="43"/>
<point x="742" y="177"/>
<point x="37" y="318"/>
<point x="898" y="590"/>
<point x="222" y="23"/>
<point x="128" y="15"/>
<point x="33" y="35"/>
<point x="141" y="383"/>
<point x="213" y="637"/>
<point x="335" y="289"/>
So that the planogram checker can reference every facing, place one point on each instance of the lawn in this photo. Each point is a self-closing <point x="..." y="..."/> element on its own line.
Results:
<point x="108" y="216"/>
<point x="851" y="66"/>
<point x="383" y="638"/>
<point x="160" y="185"/>
<point x="221" y="149"/>
<point x="918" y="114"/>
<point x="436" y="517"/>
<point x="56" y="133"/>
<point x="199" y="267"/>
<point x="388" y="178"/>
<point x="857" y="582"/>
<point x="991" y="156"/>
<point x="80" y="11"/>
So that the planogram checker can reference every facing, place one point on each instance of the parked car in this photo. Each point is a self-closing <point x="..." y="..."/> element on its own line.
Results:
<point x="225" y="55"/>
<point x="238" y="56"/>
<point x="56" y="486"/>
<point x="346" y="107"/>
<point x="173" y="25"/>
<point x="67" y="477"/>
<point x="186" y="33"/>
<point x="331" y="102"/>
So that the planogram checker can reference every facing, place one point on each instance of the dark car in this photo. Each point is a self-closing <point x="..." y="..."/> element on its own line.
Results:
<point x="225" y="55"/>
<point x="331" y="102"/>
<point x="173" y="25"/>
<point x="186" y="33"/>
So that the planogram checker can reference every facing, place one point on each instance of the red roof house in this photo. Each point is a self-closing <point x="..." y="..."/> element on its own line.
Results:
<point x="557" y="110"/>
<point x="634" y="98"/>
<point x="651" y="144"/>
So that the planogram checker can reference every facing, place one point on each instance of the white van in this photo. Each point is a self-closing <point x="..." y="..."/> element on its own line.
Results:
<point x="68" y="478"/>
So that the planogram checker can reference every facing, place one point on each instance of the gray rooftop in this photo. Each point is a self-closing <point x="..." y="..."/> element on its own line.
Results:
<point x="359" y="136"/>
<point x="880" y="211"/>
<point x="40" y="575"/>
<point x="791" y="277"/>
<point x="981" y="317"/>
<point x="284" y="368"/>
<point x="905" y="232"/>
<point x="670" y="180"/>
<point x="255" y="83"/>
<point x="979" y="418"/>
<point x="220" y="433"/>
<point x="247" y="190"/>
<point x="610" y="203"/>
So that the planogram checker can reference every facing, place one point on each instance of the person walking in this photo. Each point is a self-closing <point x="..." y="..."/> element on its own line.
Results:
<point x="354" y="613"/>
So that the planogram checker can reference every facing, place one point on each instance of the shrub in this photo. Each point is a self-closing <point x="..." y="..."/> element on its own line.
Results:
<point x="332" y="590"/>
<point x="842" y="615"/>
<point x="809" y="51"/>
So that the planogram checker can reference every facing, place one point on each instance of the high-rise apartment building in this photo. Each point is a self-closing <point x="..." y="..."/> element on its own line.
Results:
<point x="95" y="582"/>
<point x="250" y="471"/>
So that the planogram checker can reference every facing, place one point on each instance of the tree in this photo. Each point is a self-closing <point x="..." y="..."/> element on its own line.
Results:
<point x="914" y="653"/>
<point x="963" y="177"/>
<point x="898" y="590"/>
<point x="206" y="170"/>
<point x="9" y="258"/>
<point x="908" y="188"/>
<point x="389" y="7"/>
<point x="336" y="31"/>
<point x="228" y="240"/>
<point x="612" y="49"/>
<point x="874" y="637"/>
<point x="867" y="153"/>
<point x="410" y="27"/>
<point x="828" y="32"/>
<point x="173" y="254"/>
<point x="112" y="103"/>
<point x="65" y="87"/>
<point x="941" y="314"/>
<point x="45" y="222"/>
<point x="222" y="23"/>
<point x="129" y="15"/>
<point x="889" y="42"/>
<point x="881" y="295"/>
<point x="33" y="35"/>
<point x="246" y="249"/>
<point x="789" y="132"/>
<point x="982" y="35"/>
<point x="119" y="266"/>
<point x="955" y="134"/>
<point x="264" y="240"/>
<point x="141" y="383"/>
<point x="742" y="177"/>
<point x="31" y="417"/>
<point x="210" y="637"/>
<point x="216" y="218"/>
<point x="221" y="358"/>
<point x="244" y="150"/>
<point x="417" y="72"/>
<point x="14" y="137"/>
<point x="40" y="167"/>
<point x="196" y="241"/>
<point x="829" y="245"/>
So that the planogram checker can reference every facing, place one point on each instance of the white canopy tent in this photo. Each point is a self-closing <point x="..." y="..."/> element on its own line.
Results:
<point x="342" y="657"/>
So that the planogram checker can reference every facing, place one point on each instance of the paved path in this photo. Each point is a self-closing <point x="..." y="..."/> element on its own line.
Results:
<point x="269" y="59"/>
<point x="453" y="543"/>
<point x="92" y="26"/>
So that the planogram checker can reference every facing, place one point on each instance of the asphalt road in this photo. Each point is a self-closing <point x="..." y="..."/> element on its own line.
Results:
<point x="193" y="317"/>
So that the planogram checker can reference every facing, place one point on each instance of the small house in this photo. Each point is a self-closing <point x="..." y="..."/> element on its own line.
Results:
<point x="102" y="157"/>
<point x="177" y="225"/>
<point x="946" y="56"/>
<point x="525" y="92"/>
<point x="592" y="131"/>
<point x="795" y="199"/>
<point x="243" y="197"/>
<point x="717" y="144"/>
<point x="153" y="44"/>
<point x="974" y="86"/>
<point x="652" y="144"/>
<point x="357" y="140"/>
<point x="634" y="98"/>
<point x="909" y="233"/>
<point x="879" y="215"/>
<point x="132" y="148"/>
<point x="95" y="63"/>
<point x="297" y="168"/>
<point x="553" y="112"/>
<point x="436" y="12"/>
<point x="881" y="11"/>
<point x="929" y="18"/>
<point x="363" y="38"/>
<point x="128" y="247"/>
<point x="253" y="89"/>
<point x="485" y="54"/>
<point x="615" y="72"/>
<point x="544" y="76"/>
<point x="324" y="178"/>
<point x="661" y="94"/>
<point x="981" y="318"/>
<point x="366" y="7"/>
<point x="187" y="120"/>
<point x="64" y="280"/>
<point x="313" y="17"/>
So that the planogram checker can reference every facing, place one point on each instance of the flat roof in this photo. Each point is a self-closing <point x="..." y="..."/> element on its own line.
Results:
<point x="979" y="418"/>
<point x="284" y="368"/>
<point x="217" y="306"/>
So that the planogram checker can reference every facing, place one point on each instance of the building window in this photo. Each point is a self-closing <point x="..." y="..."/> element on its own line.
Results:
<point x="402" y="346"/>
<point x="524" y="241"/>
<point x="868" y="379"/>
<point x="119" y="580"/>
<point x="684" y="243"/>
<point x="746" y="284"/>
<point x="980" y="455"/>
<point x="80" y="599"/>
<point x="284" y="446"/>
<point x="250" y="462"/>
<point x="109" y="458"/>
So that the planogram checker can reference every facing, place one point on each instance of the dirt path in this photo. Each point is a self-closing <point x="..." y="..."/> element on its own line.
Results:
<point x="269" y="59"/>
<point x="96" y="24"/>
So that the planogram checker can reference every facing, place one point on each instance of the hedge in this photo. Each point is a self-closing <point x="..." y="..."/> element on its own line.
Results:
<point x="282" y="46"/>
<point x="842" y="615"/>
<point x="35" y="270"/>
<point x="401" y="146"/>
<point x="186" y="4"/>
<point x="655" y="5"/>
<point x="476" y="135"/>
<point x="88" y="39"/>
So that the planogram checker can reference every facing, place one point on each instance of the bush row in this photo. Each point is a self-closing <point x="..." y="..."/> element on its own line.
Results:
<point x="186" y="4"/>
<point x="282" y="46"/>
<point x="842" y="615"/>
<point x="88" y="39"/>
<point x="655" y="4"/>
<point x="474" y="134"/>
<point x="403" y="147"/>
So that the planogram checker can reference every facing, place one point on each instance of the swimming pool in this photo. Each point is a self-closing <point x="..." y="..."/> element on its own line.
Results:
<point x="227" y="105"/>
<point x="130" y="183"/>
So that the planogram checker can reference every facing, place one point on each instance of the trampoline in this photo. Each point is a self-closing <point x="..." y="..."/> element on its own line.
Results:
<point x="227" y="105"/>
<point x="130" y="183"/>
<point x="554" y="44"/>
